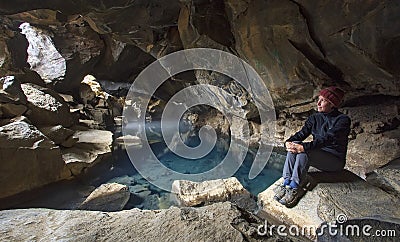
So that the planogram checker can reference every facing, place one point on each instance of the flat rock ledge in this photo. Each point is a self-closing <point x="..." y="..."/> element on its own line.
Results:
<point x="216" y="222"/>
<point x="328" y="196"/>
<point x="91" y="148"/>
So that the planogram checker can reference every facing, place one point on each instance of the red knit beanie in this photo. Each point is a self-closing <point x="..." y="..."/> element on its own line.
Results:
<point x="333" y="94"/>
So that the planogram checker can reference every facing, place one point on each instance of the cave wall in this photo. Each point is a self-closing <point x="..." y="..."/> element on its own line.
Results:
<point x="297" y="47"/>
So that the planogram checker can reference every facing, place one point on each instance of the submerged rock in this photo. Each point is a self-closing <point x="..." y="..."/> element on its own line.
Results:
<point x="124" y="180"/>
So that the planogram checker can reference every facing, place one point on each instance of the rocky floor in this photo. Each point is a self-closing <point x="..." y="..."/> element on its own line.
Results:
<point x="216" y="222"/>
<point x="331" y="197"/>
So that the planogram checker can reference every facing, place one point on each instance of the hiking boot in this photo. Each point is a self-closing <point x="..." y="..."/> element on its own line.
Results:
<point x="280" y="192"/>
<point x="291" y="197"/>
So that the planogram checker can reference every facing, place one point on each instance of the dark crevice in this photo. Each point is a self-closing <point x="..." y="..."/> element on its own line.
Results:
<point x="211" y="19"/>
<point x="329" y="69"/>
<point x="367" y="100"/>
<point x="301" y="104"/>
<point x="307" y="19"/>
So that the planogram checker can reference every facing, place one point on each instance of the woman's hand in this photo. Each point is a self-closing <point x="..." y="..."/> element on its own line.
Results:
<point x="289" y="147"/>
<point x="294" y="148"/>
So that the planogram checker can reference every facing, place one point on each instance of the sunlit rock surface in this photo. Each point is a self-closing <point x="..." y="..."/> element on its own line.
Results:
<point x="190" y="193"/>
<point x="43" y="56"/>
<point x="92" y="146"/>
<point x="107" y="197"/>
<point x="47" y="107"/>
<point x="58" y="134"/>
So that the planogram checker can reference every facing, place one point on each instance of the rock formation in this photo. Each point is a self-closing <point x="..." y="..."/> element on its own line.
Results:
<point x="190" y="193"/>
<point x="41" y="139"/>
<point x="108" y="197"/>
<point x="329" y="196"/>
<point x="28" y="159"/>
<point x="296" y="46"/>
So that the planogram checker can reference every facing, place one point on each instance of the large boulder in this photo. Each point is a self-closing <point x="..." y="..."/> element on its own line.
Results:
<point x="107" y="197"/>
<point x="12" y="99"/>
<point x="47" y="107"/>
<point x="10" y="110"/>
<point x="330" y="196"/>
<point x="92" y="147"/>
<point x="375" y="136"/>
<point x="58" y="134"/>
<point x="217" y="222"/>
<point x="371" y="151"/>
<point x="190" y="193"/>
<point x="28" y="159"/>
<point x="387" y="178"/>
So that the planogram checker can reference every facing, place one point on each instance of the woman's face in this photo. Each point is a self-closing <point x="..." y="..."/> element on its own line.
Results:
<point x="323" y="105"/>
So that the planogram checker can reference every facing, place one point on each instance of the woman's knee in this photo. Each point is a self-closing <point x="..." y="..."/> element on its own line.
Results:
<point x="290" y="155"/>
<point x="302" y="156"/>
<point x="290" y="158"/>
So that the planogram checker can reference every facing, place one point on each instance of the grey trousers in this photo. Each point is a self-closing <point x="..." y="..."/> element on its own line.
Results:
<point x="296" y="165"/>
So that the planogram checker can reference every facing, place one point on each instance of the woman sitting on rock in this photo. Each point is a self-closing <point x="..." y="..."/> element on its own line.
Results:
<point x="327" y="152"/>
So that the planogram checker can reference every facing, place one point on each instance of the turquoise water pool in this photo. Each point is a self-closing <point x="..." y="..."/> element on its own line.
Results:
<point x="144" y="195"/>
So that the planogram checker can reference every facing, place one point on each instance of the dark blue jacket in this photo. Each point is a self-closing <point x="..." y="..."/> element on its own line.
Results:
<point x="330" y="133"/>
